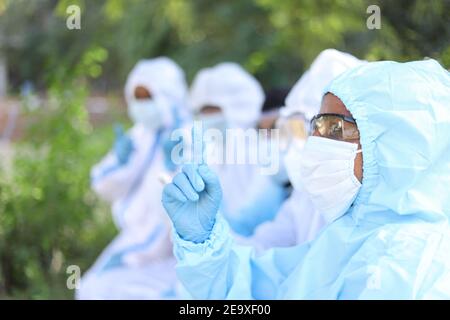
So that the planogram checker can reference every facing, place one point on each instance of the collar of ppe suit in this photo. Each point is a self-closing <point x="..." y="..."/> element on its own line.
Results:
<point x="234" y="90"/>
<point x="306" y="95"/>
<point x="403" y="116"/>
<point x="166" y="82"/>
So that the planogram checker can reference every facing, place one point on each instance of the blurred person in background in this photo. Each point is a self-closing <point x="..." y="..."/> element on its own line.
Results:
<point x="139" y="263"/>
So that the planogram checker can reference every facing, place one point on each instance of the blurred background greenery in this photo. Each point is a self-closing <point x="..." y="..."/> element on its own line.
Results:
<point x="49" y="218"/>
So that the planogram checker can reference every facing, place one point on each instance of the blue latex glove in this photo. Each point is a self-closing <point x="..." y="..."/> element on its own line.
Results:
<point x="193" y="198"/>
<point x="123" y="146"/>
<point x="192" y="201"/>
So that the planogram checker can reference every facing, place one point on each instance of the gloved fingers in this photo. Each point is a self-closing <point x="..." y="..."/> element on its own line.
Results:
<point x="182" y="182"/>
<point x="212" y="182"/>
<point x="130" y="143"/>
<point x="194" y="177"/>
<point x="172" y="191"/>
<point x="118" y="130"/>
<point x="124" y="147"/>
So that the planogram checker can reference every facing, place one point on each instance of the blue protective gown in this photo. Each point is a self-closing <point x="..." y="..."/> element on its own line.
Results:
<point x="394" y="241"/>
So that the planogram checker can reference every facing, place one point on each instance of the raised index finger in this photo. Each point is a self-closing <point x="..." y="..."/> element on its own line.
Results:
<point x="197" y="139"/>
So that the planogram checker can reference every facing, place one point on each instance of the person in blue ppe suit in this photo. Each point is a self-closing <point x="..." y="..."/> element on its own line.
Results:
<point x="296" y="221"/>
<point x="139" y="263"/>
<point x="378" y="161"/>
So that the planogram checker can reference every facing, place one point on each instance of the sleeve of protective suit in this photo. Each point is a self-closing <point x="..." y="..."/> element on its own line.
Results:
<point x="218" y="269"/>
<point x="110" y="179"/>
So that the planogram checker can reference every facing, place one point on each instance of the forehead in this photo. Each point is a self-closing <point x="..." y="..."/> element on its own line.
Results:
<point x="208" y="109"/>
<point x="142" y="92"/>
<point x="332" y="104"/>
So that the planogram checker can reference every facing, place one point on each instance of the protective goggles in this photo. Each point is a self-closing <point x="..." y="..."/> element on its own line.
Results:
<point x="291" y="128"/>
<point x="334" y="126"/>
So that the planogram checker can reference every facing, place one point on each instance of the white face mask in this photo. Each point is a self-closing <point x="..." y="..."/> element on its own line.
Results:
<point x="213" y="121"/>
<point x="327" y="176"/>
<point x="146" y="112"/>
<point x="291" y="162"/>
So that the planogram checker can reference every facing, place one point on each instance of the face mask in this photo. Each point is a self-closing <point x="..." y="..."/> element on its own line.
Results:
<point x="146" y="112"/>
<point x="291" y="162"/>
<point x="214" y="121"/>
<point x="326" y="170"/>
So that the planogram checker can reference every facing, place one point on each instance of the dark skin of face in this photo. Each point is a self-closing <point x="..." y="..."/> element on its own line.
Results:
<point x="141" y="93"/>
<point x="332" y="104"/>
<point x="210" y="110"/>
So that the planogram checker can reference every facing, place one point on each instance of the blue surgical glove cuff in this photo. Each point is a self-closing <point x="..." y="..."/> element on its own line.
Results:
<point x="219" y="235"/>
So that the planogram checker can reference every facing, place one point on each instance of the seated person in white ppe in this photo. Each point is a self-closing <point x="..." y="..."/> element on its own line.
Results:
<point x="297" y="221"/>
<point x="227" y="97"/>
<point x="139" y="263"/>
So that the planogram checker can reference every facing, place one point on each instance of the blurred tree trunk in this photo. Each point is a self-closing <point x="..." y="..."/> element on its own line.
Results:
<point x="3" y="76"/>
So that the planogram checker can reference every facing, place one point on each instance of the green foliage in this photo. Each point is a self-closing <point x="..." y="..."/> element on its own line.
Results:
<point x="275" y="40"/>
<point x="48" y="217"/>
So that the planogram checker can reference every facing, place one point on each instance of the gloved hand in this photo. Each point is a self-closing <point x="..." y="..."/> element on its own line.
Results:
<point x="192" y="201"/>
<point x="123" y="146"/>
